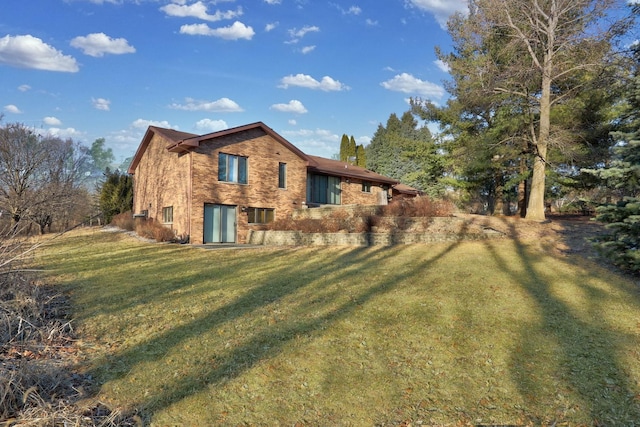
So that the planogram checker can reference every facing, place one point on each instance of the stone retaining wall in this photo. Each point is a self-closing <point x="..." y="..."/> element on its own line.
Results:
<point x="298" y="238"/>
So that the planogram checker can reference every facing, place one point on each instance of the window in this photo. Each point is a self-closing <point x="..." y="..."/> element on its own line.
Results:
<point x="260" y="215"/>
<point x="323" y="189"/>
<point x="232" y="168"/>
<point x="282" y="175"/>
<point x="366" y="186"/>
<point x="167" y="215"/>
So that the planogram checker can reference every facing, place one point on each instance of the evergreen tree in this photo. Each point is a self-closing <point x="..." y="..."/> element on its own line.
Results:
<point x="407" y="152"/>
<point x="622" y="244"/>
<point x="352" y="151"/>
<point x="361" y="156"/>
<point x="515" y="64"/>
<point x="344" y="148"/>
<point x="116" y="194"/>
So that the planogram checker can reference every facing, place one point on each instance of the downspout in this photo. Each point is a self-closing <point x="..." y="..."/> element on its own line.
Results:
<point x="190" y="196"/>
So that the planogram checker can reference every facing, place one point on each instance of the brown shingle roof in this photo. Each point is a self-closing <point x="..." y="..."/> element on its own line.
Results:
<point x="180" y="142"/>
<point x="195" y="140"/>
<point x="405" y="189"/>
<point x="336" y="167"/>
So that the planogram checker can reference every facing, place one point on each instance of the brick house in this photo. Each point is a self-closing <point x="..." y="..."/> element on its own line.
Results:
<point x="214" y="188"/>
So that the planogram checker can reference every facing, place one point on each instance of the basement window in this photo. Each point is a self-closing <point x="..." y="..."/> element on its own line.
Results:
<point x="167" y="215"/>
<point x="260" y="215"/>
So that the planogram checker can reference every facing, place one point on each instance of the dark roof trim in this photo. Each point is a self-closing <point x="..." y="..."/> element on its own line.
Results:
<point x="194" y="142"/>
<point x="343" y="169"/>
<point x="181" y="142"/>
<point x="171" y="135"/>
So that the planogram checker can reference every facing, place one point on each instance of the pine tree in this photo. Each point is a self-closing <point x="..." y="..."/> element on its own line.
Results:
<point x="344" y="148"/>
<point x="407" y="152"/>
<point x="622" y="244"/>
<point x="352" y="151"/>
<point x="116" y="194"/>
<point x="361" y="156"/>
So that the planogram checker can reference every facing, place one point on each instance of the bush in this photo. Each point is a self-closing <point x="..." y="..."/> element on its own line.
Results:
<point x="150" y="229"/>
<point x="394" y="216"/>
<point x="124" y="221"/>
<point x="419" y="207"/>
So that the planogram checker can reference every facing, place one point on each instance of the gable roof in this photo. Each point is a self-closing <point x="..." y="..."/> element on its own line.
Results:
<point x="336" y="167"/>
<point x="191" y="143"/>
<point x="181" y="142"/>
<point x="171" y="135"/>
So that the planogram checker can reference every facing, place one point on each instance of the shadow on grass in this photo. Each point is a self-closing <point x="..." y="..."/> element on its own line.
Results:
<point x="250" y="348"/>
<point x="584" y="350"/>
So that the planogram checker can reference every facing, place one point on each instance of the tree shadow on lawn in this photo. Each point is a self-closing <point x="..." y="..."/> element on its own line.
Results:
<point x="252" y="348"/>
<point x="131" y="277"/>
<point x="568" y="354"/>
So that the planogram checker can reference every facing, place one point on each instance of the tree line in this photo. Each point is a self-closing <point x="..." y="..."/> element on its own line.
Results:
<point x="51" y="183"/>
<point x="542" y="112"/>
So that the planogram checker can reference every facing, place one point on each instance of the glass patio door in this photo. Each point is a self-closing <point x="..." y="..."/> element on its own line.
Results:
<point x="219" y="224"/>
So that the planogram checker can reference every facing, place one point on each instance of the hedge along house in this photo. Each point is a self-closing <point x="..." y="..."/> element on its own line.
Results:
<point x="214" y="188"/>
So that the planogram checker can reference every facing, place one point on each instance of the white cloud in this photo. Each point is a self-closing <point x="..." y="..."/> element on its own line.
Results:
<point x="294" y="106"/>
<point x="31" y="52"/>
<point x="24" y="88"/>
<point x="234" y="32"/>
<point x="322" y="142"/>
<point x="440" y="9"/>
<point x="101" y="104"/>
<point x="307" y="49"/>
<point x="302" y="80"/>
<point x="407" y="83"/>
<point x="292" y="122"/>
<point x="61" y="133"/>
<point x="222" y="105"/>
<point x="52" y="121"/>
<point x="271" y="26"/>
<point x="353" y="10"/>
<point x="97" y="44"/>
<point x="273" y="1"/>
<point x="296" y="34"/>
<point x="12" y="109"/>
<point x="371" y="22"/>
<point x="199" y="10"/>
<point x="144" y="124"/>
<point x="443" y="66"/>
<point x="208" y="125"/>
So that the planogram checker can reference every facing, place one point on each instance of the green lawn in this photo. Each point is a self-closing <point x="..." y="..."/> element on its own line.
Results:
<point x="496" y="331"/>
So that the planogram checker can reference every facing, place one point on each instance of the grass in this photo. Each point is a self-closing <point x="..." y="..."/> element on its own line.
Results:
<point x="492" y="332"/>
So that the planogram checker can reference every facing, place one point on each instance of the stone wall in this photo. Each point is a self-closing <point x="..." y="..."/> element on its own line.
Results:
<point x="298" y="238"/>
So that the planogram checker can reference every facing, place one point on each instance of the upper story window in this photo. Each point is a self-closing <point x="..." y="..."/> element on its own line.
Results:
<point x="282" y="175"/>
<point x="232" y="168"/>
<point x="366" y="186"/>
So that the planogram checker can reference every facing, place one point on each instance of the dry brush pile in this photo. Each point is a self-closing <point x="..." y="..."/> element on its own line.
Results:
<point x="38" y="352"/>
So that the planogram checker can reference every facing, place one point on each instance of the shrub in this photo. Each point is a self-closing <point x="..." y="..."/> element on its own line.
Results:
<point x="394" y="216"/>
<point x="423" y="207"/>
<point x="124" y="221"/>
<point x="150" y="229"/>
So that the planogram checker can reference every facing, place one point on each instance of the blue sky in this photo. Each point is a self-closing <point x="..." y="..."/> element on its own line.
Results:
<point x="310" y="69"/>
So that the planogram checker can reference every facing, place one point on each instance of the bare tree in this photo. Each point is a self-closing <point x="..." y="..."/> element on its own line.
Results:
<point x="39" y="176"/>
